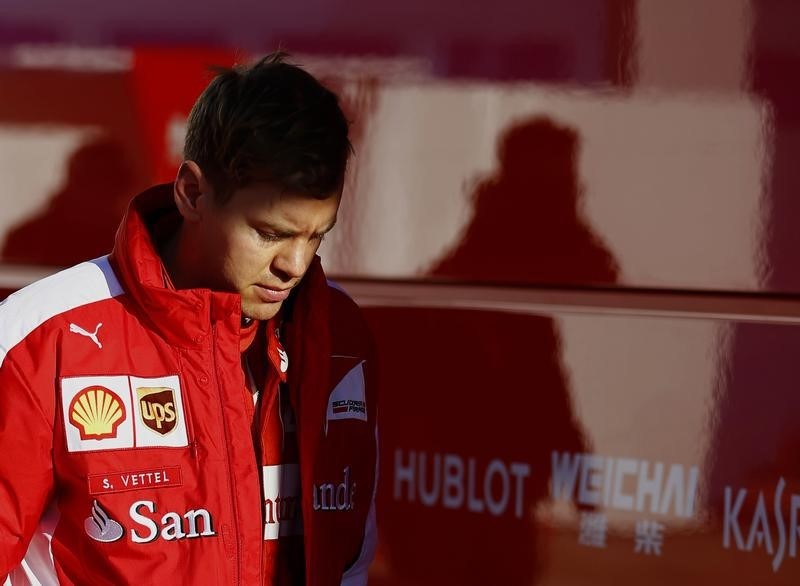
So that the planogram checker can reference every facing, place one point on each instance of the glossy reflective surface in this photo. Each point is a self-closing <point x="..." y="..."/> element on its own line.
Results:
<point x="662" y="136"/>
<point x="586" y="449"/>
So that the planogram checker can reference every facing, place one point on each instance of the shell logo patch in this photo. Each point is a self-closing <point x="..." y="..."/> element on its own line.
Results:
<point x="125" y="411"/>
<point x="97" y="412"/>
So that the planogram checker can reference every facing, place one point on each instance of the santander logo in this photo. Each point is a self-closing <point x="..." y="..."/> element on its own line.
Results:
<point x="335" y="497"/>
<point x="101" y="527"/>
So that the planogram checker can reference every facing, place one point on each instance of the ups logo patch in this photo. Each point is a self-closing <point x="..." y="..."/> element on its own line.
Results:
<point x="158" y="409"/>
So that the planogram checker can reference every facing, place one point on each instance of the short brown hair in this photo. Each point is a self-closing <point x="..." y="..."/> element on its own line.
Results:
<point x="272" y="122"/>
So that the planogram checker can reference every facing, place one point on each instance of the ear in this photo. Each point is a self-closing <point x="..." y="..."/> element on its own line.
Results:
<point x="192" y="192"/>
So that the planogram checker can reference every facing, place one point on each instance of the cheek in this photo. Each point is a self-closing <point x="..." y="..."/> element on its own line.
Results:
<point x="245" y="259"/>
<point x="313" y="250"/>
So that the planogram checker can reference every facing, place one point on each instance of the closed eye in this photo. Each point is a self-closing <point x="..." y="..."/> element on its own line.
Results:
<point x="273" y="236"/>
<point x="269" y="236"/>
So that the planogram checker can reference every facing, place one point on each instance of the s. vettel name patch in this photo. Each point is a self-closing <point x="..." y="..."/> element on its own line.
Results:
<point x="136" y="480"/>
<point x="348" y="400"/>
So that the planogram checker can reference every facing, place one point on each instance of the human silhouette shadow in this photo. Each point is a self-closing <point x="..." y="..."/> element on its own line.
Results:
<point x="81" y="219"/>
<point x="483" y="384"/>
<point x="527" y="225"/>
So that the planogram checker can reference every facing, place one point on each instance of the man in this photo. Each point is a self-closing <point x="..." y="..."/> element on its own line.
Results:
<point x="198" y="407"/>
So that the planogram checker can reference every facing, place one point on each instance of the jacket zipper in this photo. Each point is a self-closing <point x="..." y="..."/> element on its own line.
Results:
<point x="231" y="480"/>
<point x="249" y="380"/>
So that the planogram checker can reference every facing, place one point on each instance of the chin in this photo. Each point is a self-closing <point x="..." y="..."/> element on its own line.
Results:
<point x="261" y="311"/>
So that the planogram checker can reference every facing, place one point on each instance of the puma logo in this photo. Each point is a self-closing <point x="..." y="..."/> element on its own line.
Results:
<point x="93" y="336"/>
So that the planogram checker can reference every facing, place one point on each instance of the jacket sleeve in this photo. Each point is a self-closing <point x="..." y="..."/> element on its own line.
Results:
<point x="356" y="575"/>
<point x="26" y="467"/>
<point x="353" y="338"/>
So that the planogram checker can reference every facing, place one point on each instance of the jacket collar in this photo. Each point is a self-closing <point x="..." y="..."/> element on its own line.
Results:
<point x="182" y="317"/>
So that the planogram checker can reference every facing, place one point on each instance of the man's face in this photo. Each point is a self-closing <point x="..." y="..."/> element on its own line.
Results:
<point x="261" y="242"/>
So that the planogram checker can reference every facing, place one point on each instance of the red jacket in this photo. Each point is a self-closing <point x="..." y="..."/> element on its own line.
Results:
<point x="125" y="427"/>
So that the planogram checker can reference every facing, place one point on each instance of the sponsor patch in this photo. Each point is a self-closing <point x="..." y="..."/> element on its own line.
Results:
<point x="159" y="417"/>
<point x="76" y="329"/>
<point x="348" y="406"/>
<point x="101" y="527"/>
<point x="114" y="412"/>
<point x="97" y="413"/>
<point x="141" y="479"/>
<point x="157" y="405"/>
<point x="347" y="400"/>
<point x="281" y="501"/>
<point x="146" y="525"/>
<point x="170" y="526"/>
<point x="330" y="496"/>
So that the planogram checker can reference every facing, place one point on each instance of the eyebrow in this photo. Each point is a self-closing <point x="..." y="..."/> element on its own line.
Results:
<point x="291" y="233"/>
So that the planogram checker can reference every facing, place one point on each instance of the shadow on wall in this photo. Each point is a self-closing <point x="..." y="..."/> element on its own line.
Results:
<point x="527" y="225"/>
<point x="474" y="403"/>
<point x="81" y="219"/>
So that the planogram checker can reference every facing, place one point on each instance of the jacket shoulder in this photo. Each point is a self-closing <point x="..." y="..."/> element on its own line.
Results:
<point x="341" y="300"/>
<point x="343" y="308"/>
<point x="348" y="325"/>
<point x="24" y="311"/>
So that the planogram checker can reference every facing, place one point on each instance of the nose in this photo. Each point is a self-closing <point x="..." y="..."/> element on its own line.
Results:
<point x="290" y="262"/>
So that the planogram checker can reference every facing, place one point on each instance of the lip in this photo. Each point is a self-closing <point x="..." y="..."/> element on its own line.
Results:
<point x="269" y="295"/>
